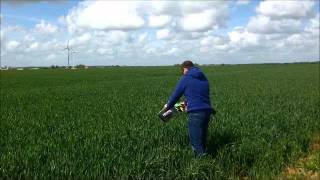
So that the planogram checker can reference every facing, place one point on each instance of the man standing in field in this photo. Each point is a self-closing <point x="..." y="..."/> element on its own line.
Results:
<point x="195" y="87"/>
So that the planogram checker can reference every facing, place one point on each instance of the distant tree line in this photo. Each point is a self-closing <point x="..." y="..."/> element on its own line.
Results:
<point x="79" y="66"/>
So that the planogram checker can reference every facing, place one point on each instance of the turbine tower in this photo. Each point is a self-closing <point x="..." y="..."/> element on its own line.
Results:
<point x="68" y="49"/>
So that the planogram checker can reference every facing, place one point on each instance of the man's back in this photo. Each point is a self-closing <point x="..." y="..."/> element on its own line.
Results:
<point x="197" y="90"/>
<point x="195" y="87"/>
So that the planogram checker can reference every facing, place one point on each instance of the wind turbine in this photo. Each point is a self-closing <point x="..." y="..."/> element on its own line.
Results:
<point x="68" y="49"/>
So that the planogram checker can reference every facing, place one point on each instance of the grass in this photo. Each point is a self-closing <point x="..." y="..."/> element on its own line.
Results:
<point x="102" y="123"/>
<point x="307" y="166"/>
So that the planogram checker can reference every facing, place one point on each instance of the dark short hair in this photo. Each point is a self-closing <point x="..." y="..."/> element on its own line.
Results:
<point x="187" y="64"/>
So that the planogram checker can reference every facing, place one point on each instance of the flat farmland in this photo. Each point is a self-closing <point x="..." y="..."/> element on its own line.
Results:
<point x="102" y="123"/>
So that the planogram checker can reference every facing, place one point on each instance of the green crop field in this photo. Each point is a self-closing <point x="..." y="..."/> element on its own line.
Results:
<point x="103" y="124"/>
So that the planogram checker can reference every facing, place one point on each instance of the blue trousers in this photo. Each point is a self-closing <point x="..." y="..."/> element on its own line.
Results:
<point x="198" y="130"/>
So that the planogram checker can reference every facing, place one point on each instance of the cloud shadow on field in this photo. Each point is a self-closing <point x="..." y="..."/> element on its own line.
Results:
<point x="218" y="141"/>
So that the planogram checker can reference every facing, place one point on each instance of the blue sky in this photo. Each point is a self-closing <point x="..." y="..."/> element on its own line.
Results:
<point x="33" y="33"/>
<point x="19" y="14"/>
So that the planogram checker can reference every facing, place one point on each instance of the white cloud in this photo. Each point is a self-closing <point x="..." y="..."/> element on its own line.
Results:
<point x="211" y="43"/>
<point x="173" y="50"/>
<point x="142" y="38"/>
<point x="150" y="50"/>
<point x="198" y="21"/>
<point x="302" y="42"/>
<point x="2" y="34"/>
<point x="51" y="56"/>
<point x="164" y="34"/>
<point x="165" y="7"/>
<point x="190" y="7"/>
<point x="285" y="17"/>
<point x="240" y="37"/>
<point x="295" y="39"/>
<point x="192" y="16"/>
<point x="62" y="20"/>
<point x="84" y="38"/>
<point x="265" y="25"/>
<point x="159" y="21"/>
<point x="105" y="15"/>
<point x="128" y="15"/>
<point x="243" y="2"/>
<point x="203" y="16"/>
<point x="286" y="9"/>
<point x="103" y="51"/>
<point x="113" y="37"/>
<point x="3" y="53"/>
<point x="89" y="51"/>
<point x="14" y="28"/>
<point x="117" y="37"/>
<point x="34" y="46"/>
<point x="212" y="40"/>
<point x="29" y="38"/>
<point x="80" y="40"/>
<point x="52" y="45"/>
<point x="45" y="27"/>
<point x="11" y="45"/>
<point x="313" y="26"/>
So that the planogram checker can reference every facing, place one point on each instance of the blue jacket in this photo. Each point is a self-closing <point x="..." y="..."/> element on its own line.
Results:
<point x="195" y="87"/>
